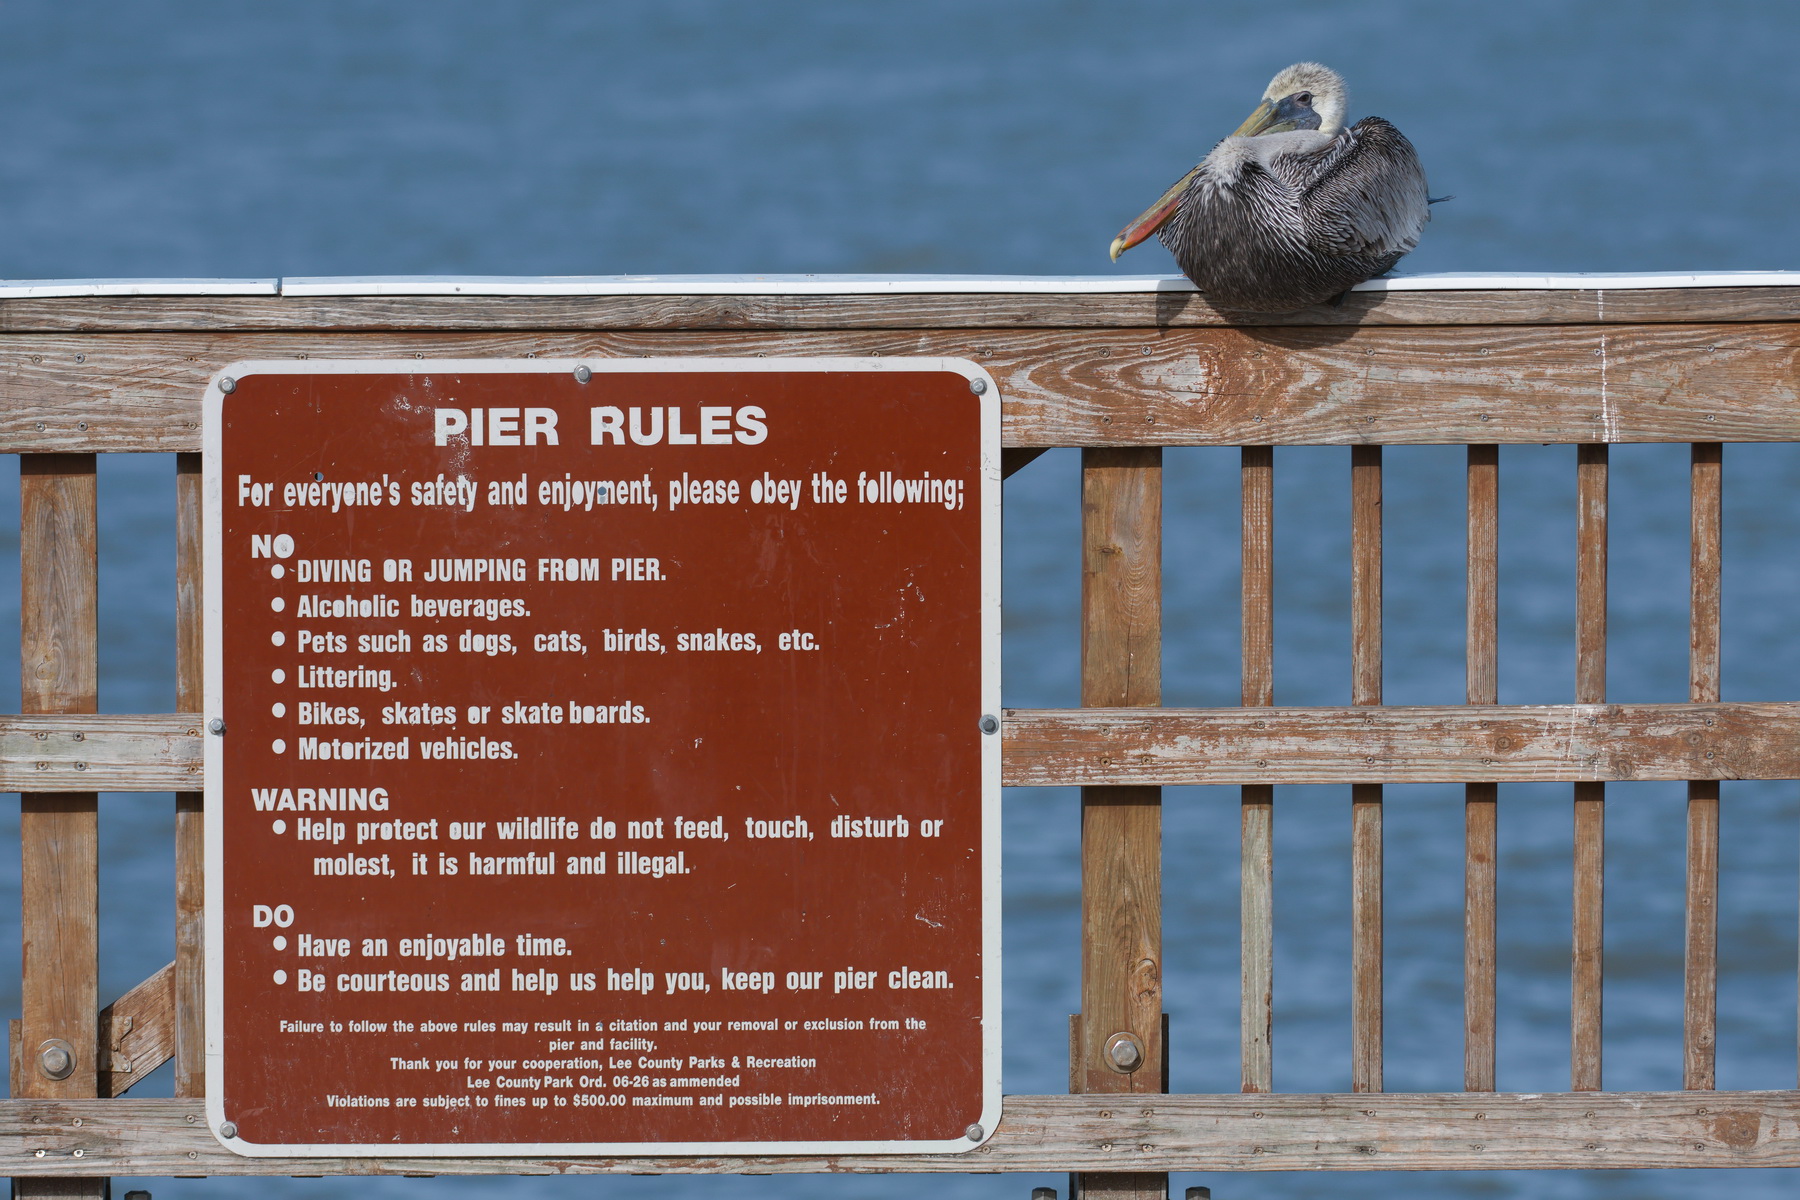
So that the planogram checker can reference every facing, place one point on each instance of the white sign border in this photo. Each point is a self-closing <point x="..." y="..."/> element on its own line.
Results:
<point x="988" y="398"/>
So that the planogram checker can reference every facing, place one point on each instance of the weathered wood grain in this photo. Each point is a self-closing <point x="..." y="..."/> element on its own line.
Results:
<point x="1366" y="883"/>
<point x="1226" y="387"/>
<point x="1700" y="958"/>
<point x="1482" y="616"/>
<point x="997" y="310"/>
<point x="1402" y="744"/>
<point x="1151" y="747"/>
<point x="189" y="985"/>
<point x="1256" y="1016"/>
<point x="137" y="1033"/>
<point x="1587" y="946"/>
<point x="1481" y="854"/>
<point x="94" y="752"/>
<point x="1121" y="827"/>
<point x="1283" y="1132"/>
<point x="59" y="915"/>
<point x="1480" y="800"/>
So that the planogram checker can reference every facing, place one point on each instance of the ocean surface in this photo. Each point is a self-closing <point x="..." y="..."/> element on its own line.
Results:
<point x="201" y="138"/>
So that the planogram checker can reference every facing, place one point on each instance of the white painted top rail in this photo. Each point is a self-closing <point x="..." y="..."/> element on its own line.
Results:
<point x="25" y="289"/>
<point x="850" y="285"/>
<point x="841" y="285"/>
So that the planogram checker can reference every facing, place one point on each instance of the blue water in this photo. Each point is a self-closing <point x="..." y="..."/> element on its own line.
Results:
<point x="207" y="138"/>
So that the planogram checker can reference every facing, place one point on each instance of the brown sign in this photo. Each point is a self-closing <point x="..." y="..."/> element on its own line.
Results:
<point x="602" y="756"/>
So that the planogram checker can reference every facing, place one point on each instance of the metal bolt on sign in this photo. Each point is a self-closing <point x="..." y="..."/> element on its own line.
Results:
<point x="228" y="385"/>
<point x="217" y="724"/>
<point x="228" y="1129"/>
<point x="583" y="373"/>
<point x="1124" y="1052"/>
<point x="978" y="386"/>
<point x="973" y="1133"/>
<point x="56" y="1059"/>
<point x="990" y="723"/>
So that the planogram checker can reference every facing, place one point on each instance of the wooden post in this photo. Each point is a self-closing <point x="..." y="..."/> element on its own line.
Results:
<point x="1480" y="808"/>
<point x="1121" y="827"/>
<point x="1590" y="798"/>
<point x="1701" y="971"/>
<point x="1366" y="1010"/>
<point x="190" y="834"/>
<point x="58" y="832"/>
<point x="1257" y="800"/>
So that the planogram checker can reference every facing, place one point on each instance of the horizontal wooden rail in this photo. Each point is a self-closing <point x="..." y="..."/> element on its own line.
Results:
<point x="1461" y="744"/>
<point x="1130" y="746"/>
<point x="1000" y="310"/>
<point x="1115" y="1133"/>
<point x="99" y="753"/>
<point x="1106" y="387"/>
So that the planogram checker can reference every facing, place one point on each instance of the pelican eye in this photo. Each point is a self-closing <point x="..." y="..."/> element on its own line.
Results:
<point x="1304" y="98"/>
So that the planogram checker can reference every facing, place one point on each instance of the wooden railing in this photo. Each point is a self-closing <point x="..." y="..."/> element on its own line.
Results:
<point x="1121" y="375"/>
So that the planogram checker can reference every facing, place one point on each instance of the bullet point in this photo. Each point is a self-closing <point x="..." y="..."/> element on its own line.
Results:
<point x="278" y="709"/>
<point x="277" y="604"/>
<point x="281" y="977"/>
<point x="278" y="638"/>
<point x="280" y="941"/>
<point x="277" y="570"/>
<point x="280" y="826"/>
<point x="278" y="675"/>
<point x="278" y="746"/>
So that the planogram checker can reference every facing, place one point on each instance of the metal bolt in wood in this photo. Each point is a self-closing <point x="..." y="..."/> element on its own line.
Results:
<point x="56" y="1059"/>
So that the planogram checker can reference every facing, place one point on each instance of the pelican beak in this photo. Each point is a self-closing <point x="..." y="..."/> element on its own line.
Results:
<point x="1263" y="120"/>
<point x="1152" y="217"/>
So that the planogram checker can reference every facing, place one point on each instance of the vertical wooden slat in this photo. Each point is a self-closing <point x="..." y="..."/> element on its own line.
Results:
<point x="1257" y="801"/>
<point x="1700" y="1017"/>
<point x="59" y="832"/>
<point x="1121" y="827"/>
<point x="190" y="838"/>
<point x="1590" y="798"/>
<point x="1480" y="811"/>
<point x="1365" y="798"/>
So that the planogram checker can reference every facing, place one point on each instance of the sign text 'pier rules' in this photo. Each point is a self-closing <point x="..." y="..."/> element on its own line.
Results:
<point x="597" y="759"/>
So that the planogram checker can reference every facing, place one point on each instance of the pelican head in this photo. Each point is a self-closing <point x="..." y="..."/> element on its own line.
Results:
<point x="1304" y="96"/>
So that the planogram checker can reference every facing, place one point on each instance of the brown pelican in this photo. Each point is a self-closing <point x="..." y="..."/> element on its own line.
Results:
<point x="1293" y="208"/>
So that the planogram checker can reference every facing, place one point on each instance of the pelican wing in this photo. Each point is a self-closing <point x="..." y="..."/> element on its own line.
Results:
<point x="1367" y="195"/>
